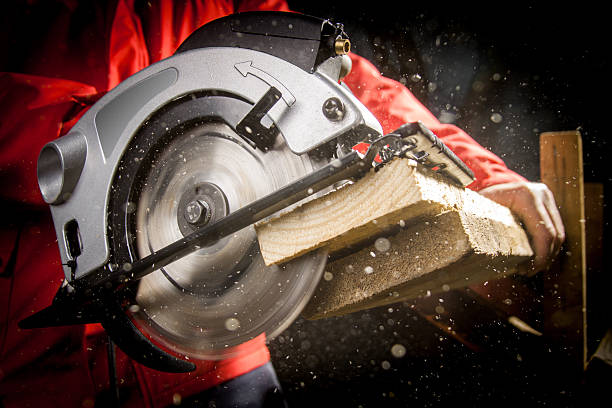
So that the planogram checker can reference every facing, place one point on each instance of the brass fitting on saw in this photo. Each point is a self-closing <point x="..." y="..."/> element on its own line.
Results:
<point x="342" y="46"/>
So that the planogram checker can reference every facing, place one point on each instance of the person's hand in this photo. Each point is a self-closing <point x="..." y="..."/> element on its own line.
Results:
<point x="534" y="205"/>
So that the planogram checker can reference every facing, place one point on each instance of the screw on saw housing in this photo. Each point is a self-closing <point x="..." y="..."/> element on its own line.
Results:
<point x="333" y="109"/>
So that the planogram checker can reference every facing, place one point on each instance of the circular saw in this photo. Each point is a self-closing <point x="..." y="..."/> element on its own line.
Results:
<point x="154" y="192"/>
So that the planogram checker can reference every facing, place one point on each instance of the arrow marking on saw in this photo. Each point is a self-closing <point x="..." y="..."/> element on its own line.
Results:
<point x="247" y="67"/>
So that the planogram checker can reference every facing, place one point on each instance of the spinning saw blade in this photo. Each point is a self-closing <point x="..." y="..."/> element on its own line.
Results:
<point x="220" y="295"/>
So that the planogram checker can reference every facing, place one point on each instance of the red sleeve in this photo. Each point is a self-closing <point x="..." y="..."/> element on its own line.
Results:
<point x="393" y="105"/>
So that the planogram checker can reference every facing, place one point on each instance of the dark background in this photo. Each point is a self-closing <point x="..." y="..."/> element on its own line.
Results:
<point x="504" y="73"/>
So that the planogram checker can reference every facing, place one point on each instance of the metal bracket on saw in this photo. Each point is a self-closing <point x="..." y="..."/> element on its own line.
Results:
<point x="250" y="126"/>
<point x="427" y="149"/>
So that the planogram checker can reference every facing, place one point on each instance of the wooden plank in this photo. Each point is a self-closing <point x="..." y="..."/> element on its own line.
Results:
<point x="597" y="280"/>
<point x="450" y="237"/>
<point x="398" y="193"/>
<point x="594" y="222"/>
<point x="564" y="305"/>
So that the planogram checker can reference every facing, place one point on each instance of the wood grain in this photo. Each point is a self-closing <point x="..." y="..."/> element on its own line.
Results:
<point x="561" y="169"/>
<point x="348" y="216"/>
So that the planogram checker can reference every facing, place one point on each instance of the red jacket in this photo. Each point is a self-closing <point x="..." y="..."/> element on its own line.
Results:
<point x="69" y="69"/>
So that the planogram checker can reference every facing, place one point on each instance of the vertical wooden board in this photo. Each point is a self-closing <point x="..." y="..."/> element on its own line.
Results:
<point x="597" y="279"/>
<point x="594" y="222"/>
<point x="564" y="305"/>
